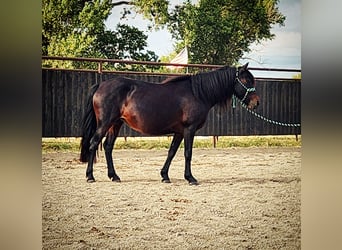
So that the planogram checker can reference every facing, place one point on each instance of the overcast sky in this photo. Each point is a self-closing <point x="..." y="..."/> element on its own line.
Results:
<point x="284" y="51"/>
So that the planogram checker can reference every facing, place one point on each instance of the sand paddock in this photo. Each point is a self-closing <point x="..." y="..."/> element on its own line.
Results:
<point x="248" y="198"/>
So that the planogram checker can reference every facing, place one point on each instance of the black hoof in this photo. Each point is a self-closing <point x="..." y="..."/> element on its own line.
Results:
<point x="116" y="180"/>
<point x="166" y="181"/>
<point x="193" y="183"/>
<point x="90" y="180"/>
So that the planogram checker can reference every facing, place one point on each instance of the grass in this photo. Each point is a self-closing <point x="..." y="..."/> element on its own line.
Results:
<point x="73" y="144"/>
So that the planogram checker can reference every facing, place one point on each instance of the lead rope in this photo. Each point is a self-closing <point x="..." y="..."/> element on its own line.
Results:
<point x="262" y="117"/>
<point x="234" y="102"/>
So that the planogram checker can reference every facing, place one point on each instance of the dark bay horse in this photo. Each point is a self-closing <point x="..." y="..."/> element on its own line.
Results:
<point x="178" y="106"/>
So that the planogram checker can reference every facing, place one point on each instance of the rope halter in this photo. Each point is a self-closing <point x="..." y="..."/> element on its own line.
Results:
<point x="248" y="90"/>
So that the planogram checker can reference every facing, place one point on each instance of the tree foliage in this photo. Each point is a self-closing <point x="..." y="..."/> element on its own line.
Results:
<point x="76" y="28"/>
<point x="215" y="31"/>
<point x="156" y="11"/>
<point x="69" y="19"/>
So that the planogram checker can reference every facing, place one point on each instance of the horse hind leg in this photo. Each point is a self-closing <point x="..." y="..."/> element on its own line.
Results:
<point x="94" y="143"/>
<point x="108" y="145"/>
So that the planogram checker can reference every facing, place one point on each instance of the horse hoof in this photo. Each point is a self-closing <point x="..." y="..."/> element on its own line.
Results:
<point x="193" y="183"/>
<point x="90" y="180"/>
<point x="166" y="181"/>
<point x="116" y="180"/>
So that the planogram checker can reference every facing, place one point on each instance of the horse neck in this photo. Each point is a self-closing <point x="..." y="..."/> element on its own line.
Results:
<point x="214" y="87"/>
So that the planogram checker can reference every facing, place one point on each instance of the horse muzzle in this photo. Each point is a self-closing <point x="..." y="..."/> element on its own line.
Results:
<point x="253" y="102"/>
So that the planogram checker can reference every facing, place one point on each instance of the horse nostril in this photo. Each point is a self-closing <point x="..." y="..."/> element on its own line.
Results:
<point x="257" y="103"/>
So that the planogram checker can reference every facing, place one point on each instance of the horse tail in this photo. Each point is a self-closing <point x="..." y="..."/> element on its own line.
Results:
<point x="89" y="125"/>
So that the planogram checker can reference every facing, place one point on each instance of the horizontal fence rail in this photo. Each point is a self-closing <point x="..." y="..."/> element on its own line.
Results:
<point x="65" y="92"/>
<point x="101" y="61"/>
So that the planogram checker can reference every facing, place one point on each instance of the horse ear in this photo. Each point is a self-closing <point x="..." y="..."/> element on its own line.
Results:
<point x="245" y="66"/>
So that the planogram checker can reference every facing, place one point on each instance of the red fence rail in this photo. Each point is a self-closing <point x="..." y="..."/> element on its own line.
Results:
<point x="100" y="62"/>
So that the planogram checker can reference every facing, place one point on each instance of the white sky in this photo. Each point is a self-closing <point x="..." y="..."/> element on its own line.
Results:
<point x="284" y="51"/>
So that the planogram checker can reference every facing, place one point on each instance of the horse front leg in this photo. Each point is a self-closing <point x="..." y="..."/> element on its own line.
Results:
<point x="108" y="145"/>
<point x="188" y="144"/>
<point x="177" y="139"/>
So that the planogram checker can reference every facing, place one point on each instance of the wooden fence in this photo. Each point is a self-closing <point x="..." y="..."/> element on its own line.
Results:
<point x="65" y="92"/>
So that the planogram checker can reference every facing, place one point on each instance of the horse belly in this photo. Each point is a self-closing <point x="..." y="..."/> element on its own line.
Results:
<point x="151" y="122"/>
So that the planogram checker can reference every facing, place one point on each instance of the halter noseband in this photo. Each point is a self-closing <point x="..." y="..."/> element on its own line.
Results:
<point x="247" y="89"/>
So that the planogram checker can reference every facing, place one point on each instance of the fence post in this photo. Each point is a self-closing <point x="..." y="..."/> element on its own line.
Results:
<point x="99" y="69"/>
<point x="215" y="139"/>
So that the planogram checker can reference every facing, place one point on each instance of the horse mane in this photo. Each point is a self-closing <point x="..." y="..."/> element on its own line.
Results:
<point x="214" y="87"/>
<point x="176" y="78"/>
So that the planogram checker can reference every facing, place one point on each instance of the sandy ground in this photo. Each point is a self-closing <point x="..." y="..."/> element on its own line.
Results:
<point x="248" y="198"/>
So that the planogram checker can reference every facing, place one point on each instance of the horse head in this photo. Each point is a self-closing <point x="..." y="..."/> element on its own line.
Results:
<point x="244" y="87"/>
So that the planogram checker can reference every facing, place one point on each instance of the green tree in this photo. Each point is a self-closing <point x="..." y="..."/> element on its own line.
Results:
<point x="76" y="29"/>
<point x="72" y="20"/>
<point x="215" y="31"/>
<point x="156" y="11"/>
<point x="125" y="42"/>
